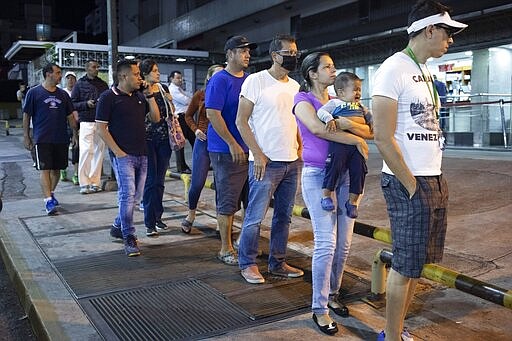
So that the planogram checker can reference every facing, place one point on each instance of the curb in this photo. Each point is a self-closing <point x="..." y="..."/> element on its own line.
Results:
<point x="53" y="312"/>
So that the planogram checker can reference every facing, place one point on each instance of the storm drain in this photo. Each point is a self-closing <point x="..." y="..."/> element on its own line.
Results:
<point x="175" y="311"/>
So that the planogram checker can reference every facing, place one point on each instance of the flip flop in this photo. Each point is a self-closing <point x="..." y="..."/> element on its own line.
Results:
<point x="186" y="226"/>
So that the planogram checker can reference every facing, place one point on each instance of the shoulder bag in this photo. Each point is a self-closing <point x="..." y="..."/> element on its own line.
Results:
<point x="176" y="137"/>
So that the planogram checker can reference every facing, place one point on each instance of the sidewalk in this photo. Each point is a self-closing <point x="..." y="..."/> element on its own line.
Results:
<point x="43" y="254"/>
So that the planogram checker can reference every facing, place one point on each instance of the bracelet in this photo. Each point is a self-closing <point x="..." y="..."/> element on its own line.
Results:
<point x="150" y="96"/>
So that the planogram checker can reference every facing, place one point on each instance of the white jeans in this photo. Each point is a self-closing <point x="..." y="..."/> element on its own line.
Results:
<point x="90" y="161"/>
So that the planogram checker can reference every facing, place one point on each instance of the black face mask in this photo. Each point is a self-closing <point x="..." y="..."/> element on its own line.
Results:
<point x="289" y="62"/>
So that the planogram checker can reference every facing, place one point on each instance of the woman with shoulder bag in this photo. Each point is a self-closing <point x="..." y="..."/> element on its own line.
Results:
<point x="159" y="150"/>
<point x="200" y="156"/>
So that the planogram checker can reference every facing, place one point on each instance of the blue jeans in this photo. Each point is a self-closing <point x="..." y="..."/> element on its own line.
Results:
<point x="131" y="174"/>
<point x="159" y="153"/>
<point x="280" y="180"/>
<point x="200" y="168"/>
<point x="332" y="231"/>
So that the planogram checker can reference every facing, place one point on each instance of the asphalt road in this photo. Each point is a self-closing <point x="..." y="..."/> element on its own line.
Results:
<point x="14" y="324"/>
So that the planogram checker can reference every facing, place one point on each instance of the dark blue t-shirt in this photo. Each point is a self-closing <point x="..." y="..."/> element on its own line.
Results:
<point x="49" y="112"/>
<point x="222" y="93"/>
<point x="125" y="116"/>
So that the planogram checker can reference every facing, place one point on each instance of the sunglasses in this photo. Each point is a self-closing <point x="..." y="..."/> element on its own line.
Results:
<point x="450" y="32"/>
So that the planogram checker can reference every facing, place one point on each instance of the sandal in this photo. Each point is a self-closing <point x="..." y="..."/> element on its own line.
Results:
<point x="186" y="226"/>
<point x="329" y="329"/>
<point x="228" y="258"/>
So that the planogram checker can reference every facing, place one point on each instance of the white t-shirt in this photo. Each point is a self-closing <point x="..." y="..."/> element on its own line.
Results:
<point x="180" y="99"/>
<point x="417" y="130"/>
<point x="272" y="121"/>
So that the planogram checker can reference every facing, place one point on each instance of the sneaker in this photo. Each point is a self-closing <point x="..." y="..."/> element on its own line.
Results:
<point x="287" y="271"/>
<point x="151" y="232"/>
<point x="50" y="206"/>
<point x="252" y="275"/>
<point x="115" y="231"/>
<point x="75" y="181"/>
<point x="130" y="246"/>
<point x="85" y="189"/>
<point x="160" y="225"/>
<point x="63" y="175"/>
<point x="55" y="201"/>
<point x="351" y="210"/>
<point x="406" y="336"/>
<point x="327" y="204"/>
<point x="141" y="207"/>
<point x="95" y="189"/>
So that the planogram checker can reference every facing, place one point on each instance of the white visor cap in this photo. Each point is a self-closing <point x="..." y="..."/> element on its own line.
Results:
<point x="436" y="19"/>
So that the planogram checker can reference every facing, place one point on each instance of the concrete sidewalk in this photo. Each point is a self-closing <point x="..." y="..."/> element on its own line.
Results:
<point x="478" y="245"/>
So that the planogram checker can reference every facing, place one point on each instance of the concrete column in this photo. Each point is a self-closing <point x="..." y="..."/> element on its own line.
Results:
<point x="480" y="84"/>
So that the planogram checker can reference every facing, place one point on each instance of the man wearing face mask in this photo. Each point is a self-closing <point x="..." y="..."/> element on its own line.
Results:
<point x="269" y="129"/>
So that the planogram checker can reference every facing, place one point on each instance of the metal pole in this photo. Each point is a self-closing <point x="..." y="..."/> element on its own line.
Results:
<point x="453" y="279"/>
<point x="111" y="183"/>
<point x="503" y="123"/>
<point x="113" y="54"/>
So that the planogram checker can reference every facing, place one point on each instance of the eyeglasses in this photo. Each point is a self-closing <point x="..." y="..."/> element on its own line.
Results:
<point x="449" y="30"/>
<point x="289" y="53"/>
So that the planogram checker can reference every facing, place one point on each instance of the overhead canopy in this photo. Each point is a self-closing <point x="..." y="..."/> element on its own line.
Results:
<point x="26" y="50"/>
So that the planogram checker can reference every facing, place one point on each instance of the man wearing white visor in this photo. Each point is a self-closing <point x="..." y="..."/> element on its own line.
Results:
<point x="405" y="108"/>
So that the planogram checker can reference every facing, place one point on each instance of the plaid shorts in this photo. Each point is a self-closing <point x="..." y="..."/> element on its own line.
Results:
<point x="418" y="225"/>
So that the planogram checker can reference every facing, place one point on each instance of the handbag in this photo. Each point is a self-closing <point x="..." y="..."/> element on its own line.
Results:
<point x="176" y="137"/>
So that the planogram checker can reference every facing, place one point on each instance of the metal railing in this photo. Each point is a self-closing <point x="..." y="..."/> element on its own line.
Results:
<point x="478" y="120"/>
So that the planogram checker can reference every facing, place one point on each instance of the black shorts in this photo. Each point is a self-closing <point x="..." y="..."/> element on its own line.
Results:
<point x="51" y="156"/>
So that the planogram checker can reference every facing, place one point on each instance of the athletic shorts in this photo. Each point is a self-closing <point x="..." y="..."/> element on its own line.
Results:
<point x="418" y="225"/>
<point x="51" y="156"/>
<point x="230" y="183"/>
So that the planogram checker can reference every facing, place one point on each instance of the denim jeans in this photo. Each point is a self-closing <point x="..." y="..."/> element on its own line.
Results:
<point x="159" y="152"/>
<point x="332" y="233"/>
<point x="280" y="180"/>
<point x="131" y="174"/>
<point x="200" y="168"/>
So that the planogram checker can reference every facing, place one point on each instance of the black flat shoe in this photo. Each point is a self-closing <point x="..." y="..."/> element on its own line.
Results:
<point x="330" y="329"/>
<point x="342" y="310"/>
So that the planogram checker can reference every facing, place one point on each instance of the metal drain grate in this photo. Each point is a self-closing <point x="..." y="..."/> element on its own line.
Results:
<point x="174" y="311"/>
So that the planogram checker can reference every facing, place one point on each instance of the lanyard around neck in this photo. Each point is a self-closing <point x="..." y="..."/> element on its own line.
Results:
<point x="433" y="94"/>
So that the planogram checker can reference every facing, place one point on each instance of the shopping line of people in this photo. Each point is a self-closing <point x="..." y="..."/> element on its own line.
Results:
<point x="264" y="131"/>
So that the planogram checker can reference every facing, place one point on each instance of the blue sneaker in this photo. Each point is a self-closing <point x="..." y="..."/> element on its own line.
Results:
<point x="327" y="204"/>
<point x="351" y="210"/>
<point x="405" y="336"/>
<point x="115" y="231"/>
<point x="55" y="201"/>
<point x="50" y="206"/>
<point x="130" y="246"/>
